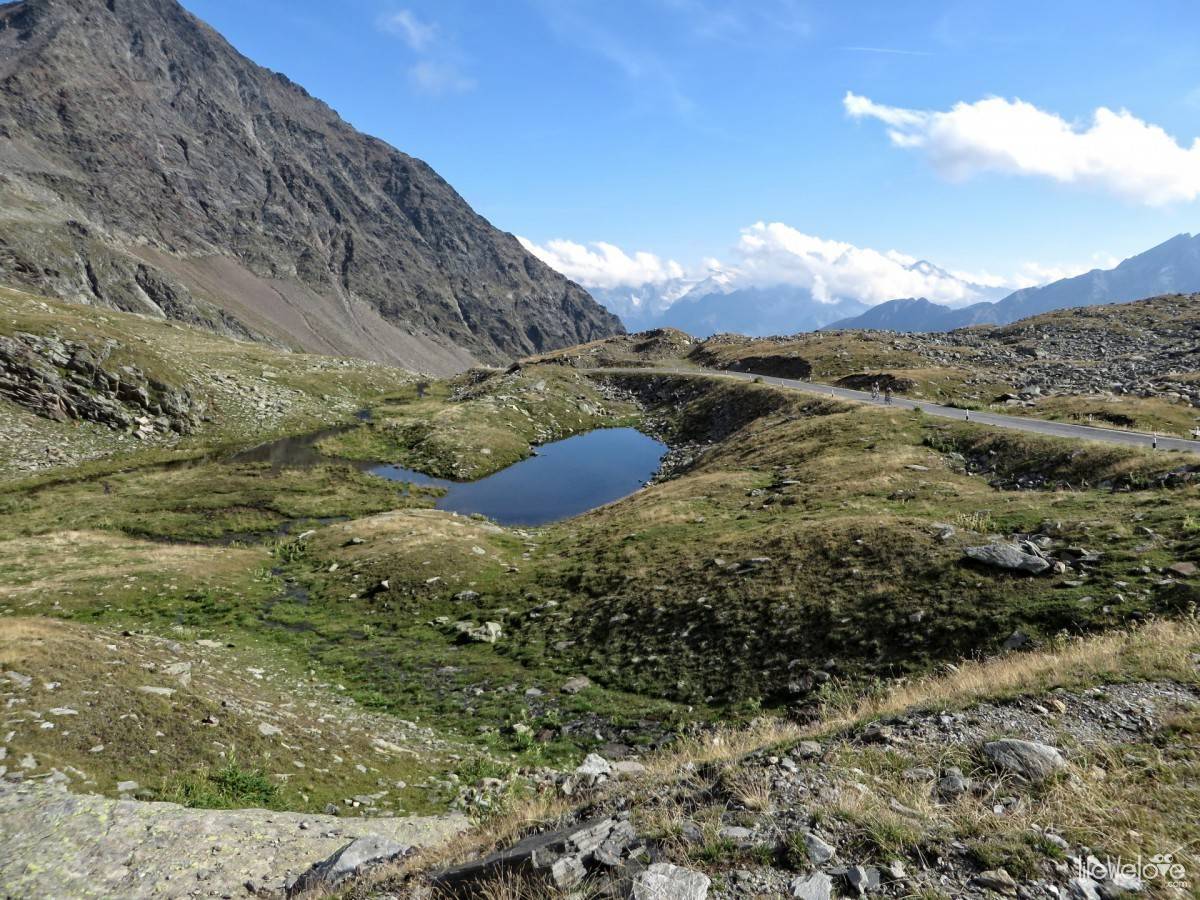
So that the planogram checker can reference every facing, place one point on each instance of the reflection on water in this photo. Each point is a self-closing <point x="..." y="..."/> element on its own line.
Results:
<point x="564" y="479"/>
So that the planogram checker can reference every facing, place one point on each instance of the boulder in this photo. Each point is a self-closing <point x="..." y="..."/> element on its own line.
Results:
<point x="1008" y="556"/>
<point x="487" y="633"/>
<point x="576" y="684"/>
<point x="594" y="766"/>
<point x="1029" y="760"/>
<point x="997" y="880"/>
<point x="819" y="851"/>
<point x="815" y="887"/>
<point x="663" y="881"/>
<point x="561" y="857"/>
<point x="365" y="851"/>
<point x="862" y="879"/>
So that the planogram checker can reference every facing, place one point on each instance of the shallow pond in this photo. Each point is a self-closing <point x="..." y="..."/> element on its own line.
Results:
<point x="562" y="480"/>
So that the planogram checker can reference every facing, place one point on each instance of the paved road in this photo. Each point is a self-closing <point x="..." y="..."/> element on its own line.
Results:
<point x="996" y="420"/>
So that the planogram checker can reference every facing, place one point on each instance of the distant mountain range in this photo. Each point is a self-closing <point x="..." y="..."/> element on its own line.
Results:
<point x="146" y="165"/>
<point x="724" y="302"/>
<point x="1171" y="267"/>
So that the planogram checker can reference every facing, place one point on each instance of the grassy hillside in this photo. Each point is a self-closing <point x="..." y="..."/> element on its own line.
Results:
<point x="243" y="392"/>
<point x="307" y="634"/>
<point x="1130" y="365"/>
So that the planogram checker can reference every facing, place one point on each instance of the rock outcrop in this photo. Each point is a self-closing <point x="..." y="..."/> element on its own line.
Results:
<point x="62" y="380"/>
<point x="58" y="844"/>
<point x="148" y="166"/>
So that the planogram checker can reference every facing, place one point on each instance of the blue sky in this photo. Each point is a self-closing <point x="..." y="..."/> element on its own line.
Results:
<point x="669" y="126"/>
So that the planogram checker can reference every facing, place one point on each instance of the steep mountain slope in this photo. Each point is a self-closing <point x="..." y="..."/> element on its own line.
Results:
<point x="1171" y="267"/>
<point x="148" y="166"/>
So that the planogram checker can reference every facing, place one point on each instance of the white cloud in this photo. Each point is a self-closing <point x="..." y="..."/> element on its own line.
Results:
<point x="406" y="26"/>
<point x="1030" y="274"/>
<point x="433" y="77"/>
<point x="768" y="254"/>
<point x="774" y="253"/>
<point x="604" y="265"/>
<point x="438" y="68"/>
<point x="1116" y="151"/>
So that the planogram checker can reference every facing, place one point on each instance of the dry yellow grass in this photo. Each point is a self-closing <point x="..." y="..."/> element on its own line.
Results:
<point x="1159" y="649"/>
<point x="1105" y="797"/>
<point x="70" y="560"/>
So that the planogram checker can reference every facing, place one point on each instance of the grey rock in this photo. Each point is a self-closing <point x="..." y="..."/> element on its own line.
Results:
<point x="1015" y="641"/>
<point x="818" y="886"/>
<point x="594" y="767"/>
<point x="351" y="859"/>
<point x="663" y="881"/>
<point x="586" y="839"/>
<point x="487" y="633"/>
<point x="1007" y="556"/>
<point x="1083" y="889"/>
<point x="997" y="880"/>
<point x="1026" y="759"/>
<point x="536" y="853"/>
<point x="737" y="835"/>
<point x="952" y="785"/>
<point x="148" y="845"/>
<point x="862" y="879"/>
<point x="576" y="684"/>
<point x="819" y="851"/>
<point x="567" y="872"/>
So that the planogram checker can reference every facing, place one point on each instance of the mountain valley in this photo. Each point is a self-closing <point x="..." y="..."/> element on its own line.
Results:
<point x="794" y="552"/>
<point x="348" y="549"/>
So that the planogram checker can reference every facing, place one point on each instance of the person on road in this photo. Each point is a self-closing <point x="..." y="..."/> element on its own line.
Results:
<point x="887" y="395"/>
<point x="874" y="391"/>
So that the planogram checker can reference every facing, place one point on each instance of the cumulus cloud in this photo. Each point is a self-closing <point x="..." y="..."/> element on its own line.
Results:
<point x="1116" y="151"/>
<point x="775" y="253"/>
<point x="768" y="254"/>
<point x="604" y="265"/>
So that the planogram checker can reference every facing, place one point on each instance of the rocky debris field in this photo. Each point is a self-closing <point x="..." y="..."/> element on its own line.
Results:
<point x="1144" y="349"/>
<point x="59" y="844"/>
<point x="1149" y="349"/>
<point x="822" y="818"/>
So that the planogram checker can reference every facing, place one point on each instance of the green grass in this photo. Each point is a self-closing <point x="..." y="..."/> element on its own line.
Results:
<point x="481" y="422"/>
<point x="230" y="787"/>
<point x="658" y="598"/>
<point x="251" y="391"/>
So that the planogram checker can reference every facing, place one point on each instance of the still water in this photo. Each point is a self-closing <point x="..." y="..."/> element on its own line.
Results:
<point x="564" y="479"/>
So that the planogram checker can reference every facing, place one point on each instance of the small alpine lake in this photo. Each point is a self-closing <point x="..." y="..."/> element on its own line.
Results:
<point x="562" y="479"/>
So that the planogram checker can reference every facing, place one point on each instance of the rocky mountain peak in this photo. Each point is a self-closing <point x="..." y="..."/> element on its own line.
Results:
<point x="149" y="166"/>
